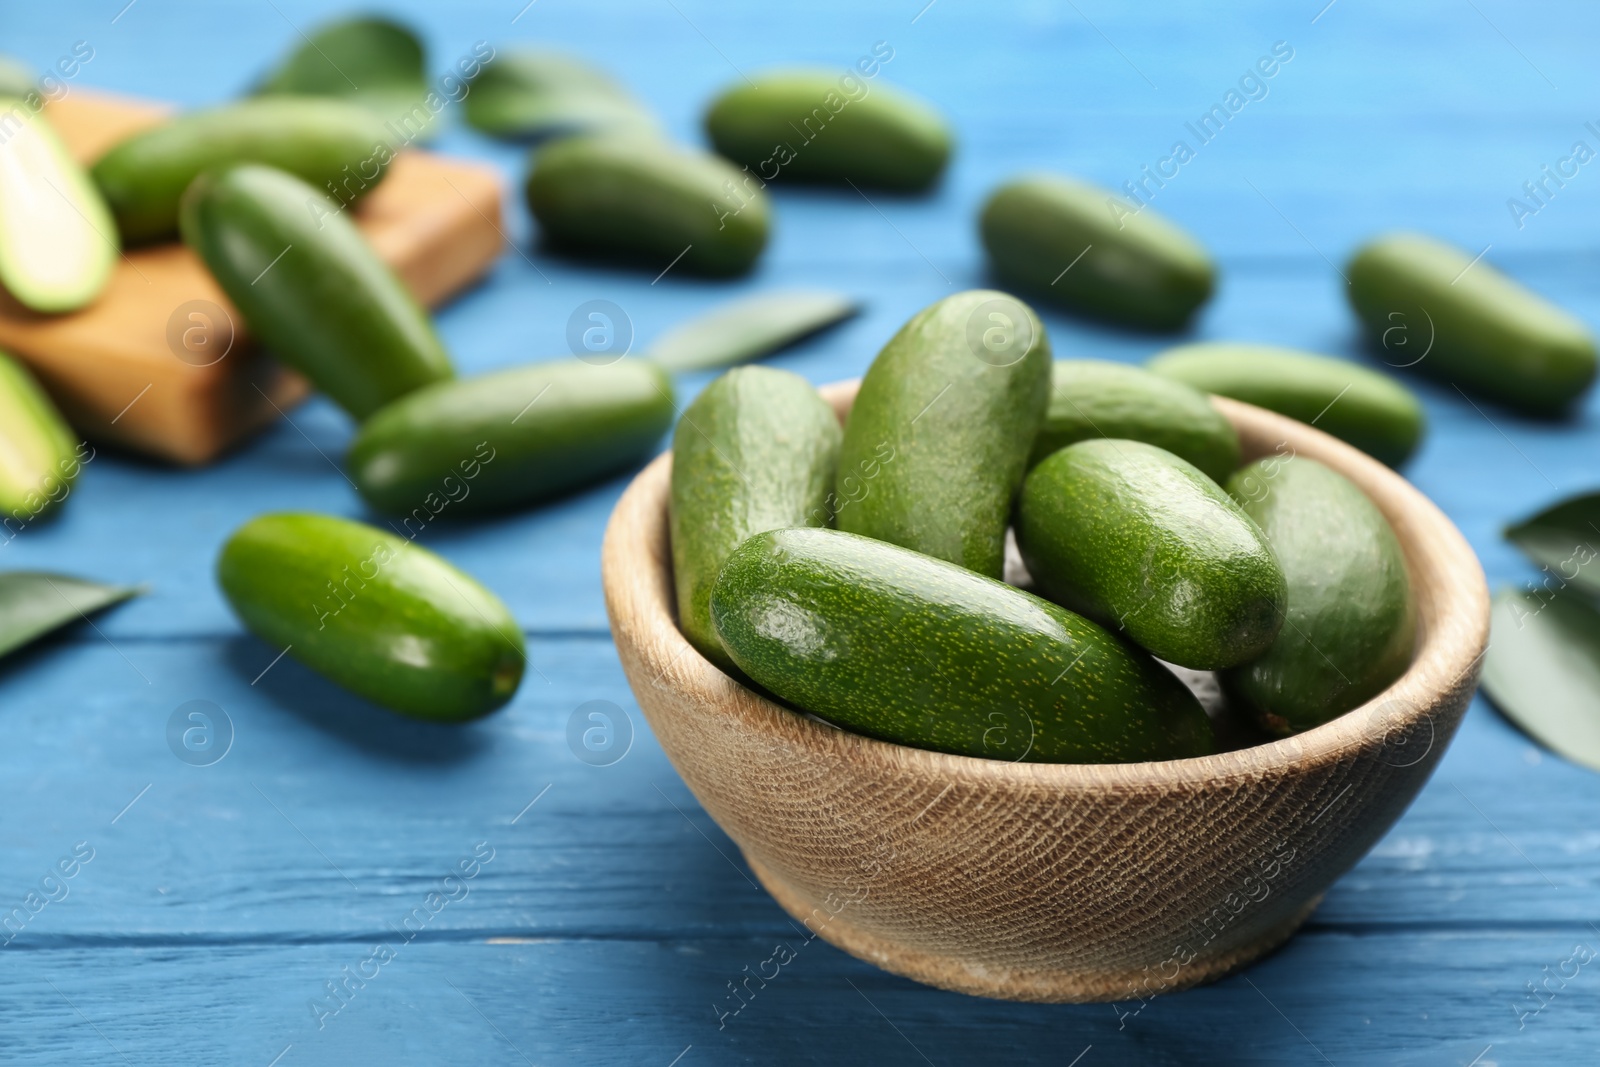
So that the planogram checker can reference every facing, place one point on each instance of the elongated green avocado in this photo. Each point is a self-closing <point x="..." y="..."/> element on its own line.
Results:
<point x="637" y="198"/>
<point x="1435" y="307"/>
<point x="824" y="126"/>
<point x="57" y="240"/>
<point x="311" y="287"/>
<point x="756" y="451"/>
<point x="340" y="148"/>
<point x="379" y="615"/>
<point x="38" y="451"/>
<point x="1362" y="407"/>
<point x="1350" y="624"/>
<point x="509" y="438"/>
<point x="1092" y="398"/>
<point x="948" y="412"/>
<point x="899" y="646"/>
<point x="1090" y="251"/>
<point x="1135" y="537"/>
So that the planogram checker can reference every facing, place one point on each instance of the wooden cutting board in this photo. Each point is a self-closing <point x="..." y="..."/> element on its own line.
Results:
<point x="161" y="362"/>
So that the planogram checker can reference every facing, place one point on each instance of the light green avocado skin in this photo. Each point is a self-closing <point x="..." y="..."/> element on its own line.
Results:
<point x="638" y="198"/>
<point x="1136" y="538"/>
<point x="949" y="431"/>
<point x="320" y="140"/>
<point x="802" y="125"/>
<point x="1362" y="407"/>
<point x="510" y="438"/>
<point x="1060" y="240"/>
<point x="1092" y="398"/>
<point x="39" y="449"/>
<point x="906" y="648"/>
<point x="310" y="286"/>
<point x="1481" y="331"/>
<point x="1350" y="626"/>
<point x="756" y="451"/>
<point x="374" y="613"/>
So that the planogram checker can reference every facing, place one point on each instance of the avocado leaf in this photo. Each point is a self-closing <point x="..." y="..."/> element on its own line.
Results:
<point x="1542" y="670"/>
<point x="35" y="603"/>
<point x="375" y="62"/>
<point x="1564" y="539"/>
<point x="750" y="328"/>
<point x="530" y="94"/>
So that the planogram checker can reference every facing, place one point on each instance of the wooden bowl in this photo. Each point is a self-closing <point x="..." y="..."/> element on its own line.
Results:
<point x="1053" y="882"/>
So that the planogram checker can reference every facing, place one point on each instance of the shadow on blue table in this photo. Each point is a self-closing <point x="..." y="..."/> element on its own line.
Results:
<point x="296" y="690"/>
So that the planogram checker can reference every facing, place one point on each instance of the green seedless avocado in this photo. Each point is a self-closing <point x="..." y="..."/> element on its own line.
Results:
<point x="1088" y="250"/>
<point x="379" y="615"/>
<point x="341" y="148"/>
<point x="510" y="438"/>
<point x="58" y="242"/>
<point x="1434" y="307"/>
<point x="906" y="648"/>
<point x="1350" y="624"/>
<point x="756" y="451"/>
<point x="1132" y="536"/>
<point x="1096" y="398"/>
<point x="39" y="457"/>
<point x="1362" y="407"/>
<point x="947" y="412"/>
<point x="823" y="126"/>
<point x="310" y="286"/>
<point x="642" y="199"/>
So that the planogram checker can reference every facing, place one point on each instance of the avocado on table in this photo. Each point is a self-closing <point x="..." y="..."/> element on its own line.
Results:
<point x="375" y="613"/>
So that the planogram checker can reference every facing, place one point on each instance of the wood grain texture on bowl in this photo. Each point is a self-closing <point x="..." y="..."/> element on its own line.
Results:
<point x="1053" y="882"/>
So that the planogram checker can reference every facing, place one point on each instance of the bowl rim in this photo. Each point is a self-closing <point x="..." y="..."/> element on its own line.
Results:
<point x="1448" y="584"/>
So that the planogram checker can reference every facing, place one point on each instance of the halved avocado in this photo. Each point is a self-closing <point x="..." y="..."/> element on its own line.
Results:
<point x="58" y="242"/>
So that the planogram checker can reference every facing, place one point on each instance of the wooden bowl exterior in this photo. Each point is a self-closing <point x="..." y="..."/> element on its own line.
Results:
<point x="1053" y="882"/>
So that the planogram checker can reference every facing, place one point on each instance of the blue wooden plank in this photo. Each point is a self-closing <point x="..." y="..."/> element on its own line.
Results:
<point x="325" y="811"/>
<point x="1412" y="999"/>
<point x="217" y="904"/>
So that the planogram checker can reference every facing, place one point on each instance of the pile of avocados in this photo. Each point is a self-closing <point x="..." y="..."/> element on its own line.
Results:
<point x="854" y="572"/>
<point x="857" y="574"/>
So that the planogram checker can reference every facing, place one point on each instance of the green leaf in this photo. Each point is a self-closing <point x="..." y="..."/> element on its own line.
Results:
<point x="531" y="94"/>
<point x="1542" y="670"/>
<point x="750" y="328"/>
<point x="374" y="62"/>
<point x="34" y="603"/>
<point x="1565" y="539"/>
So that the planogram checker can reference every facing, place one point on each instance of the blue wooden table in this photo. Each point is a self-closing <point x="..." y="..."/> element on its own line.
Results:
<point x="289" y="902"/>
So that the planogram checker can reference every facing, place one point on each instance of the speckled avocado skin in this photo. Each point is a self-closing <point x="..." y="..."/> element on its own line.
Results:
<point x="633" y="197"/>
<point x="1089" y="250"/>
<point x="1435" y="307"/>
<point x="950" y="424"/>
<point x="899" y="646"/>
<point x="375" y="613"/>
<point x="1133" y="536"/>
<point x="509" y="438"/>
<point x="1350" y="626"/>
<point x="1363" y="407"/>
<point x="756" y="451"/>
<point x="311" y="287"/>
<point x="807" y="125"/>
<point x="1092" y="398"/>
